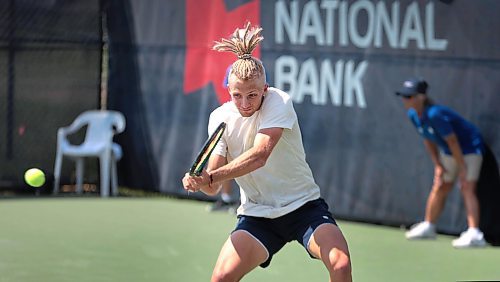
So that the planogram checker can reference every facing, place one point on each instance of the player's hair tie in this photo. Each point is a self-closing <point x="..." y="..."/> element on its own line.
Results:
<point x="244" y="56"/>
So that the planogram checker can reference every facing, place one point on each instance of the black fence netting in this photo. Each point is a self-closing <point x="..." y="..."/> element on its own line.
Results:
<point x="50" y="69"/>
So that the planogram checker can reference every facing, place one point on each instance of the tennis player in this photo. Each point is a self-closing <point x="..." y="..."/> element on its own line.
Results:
<point x="262" y="149"/>
<point x="455" y="147"/>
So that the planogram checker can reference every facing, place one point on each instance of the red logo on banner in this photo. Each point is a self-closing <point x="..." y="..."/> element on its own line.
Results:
<point x="206" y="22"/>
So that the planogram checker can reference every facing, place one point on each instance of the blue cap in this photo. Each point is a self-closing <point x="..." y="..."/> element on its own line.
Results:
<point x="412" y="87"/>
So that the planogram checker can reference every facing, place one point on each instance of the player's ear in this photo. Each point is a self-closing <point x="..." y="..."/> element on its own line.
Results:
<point x="265" y="87"/>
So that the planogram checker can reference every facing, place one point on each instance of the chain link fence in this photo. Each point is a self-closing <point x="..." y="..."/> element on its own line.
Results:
<point x="50" y="71"/>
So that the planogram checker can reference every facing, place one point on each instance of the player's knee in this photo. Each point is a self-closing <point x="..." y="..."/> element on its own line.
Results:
<point x="443" y="188"/>
<point x="468" y="188"/>
<point x="220" y="275"/>
<point x="340" y="263"/>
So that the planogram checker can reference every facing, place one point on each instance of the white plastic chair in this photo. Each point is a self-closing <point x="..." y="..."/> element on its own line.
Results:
<point x="101" y="127"/>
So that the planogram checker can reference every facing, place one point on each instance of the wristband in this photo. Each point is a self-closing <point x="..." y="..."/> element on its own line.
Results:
<point x="211" y="180"/>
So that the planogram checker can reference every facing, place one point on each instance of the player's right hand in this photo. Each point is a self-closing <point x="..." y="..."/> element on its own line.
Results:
<point x="195" y="183"/>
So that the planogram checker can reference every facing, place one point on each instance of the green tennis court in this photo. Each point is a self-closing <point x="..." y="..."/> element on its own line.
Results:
<point x="163" y="239"/>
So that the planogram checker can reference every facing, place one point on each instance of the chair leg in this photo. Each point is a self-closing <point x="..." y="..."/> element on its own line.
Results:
<point x="104" y="164"/>
<point x="116" y="155"/>
<point x="114" y="178"/>
<point x="79" y="175"/>
<point x="57" y="173"/>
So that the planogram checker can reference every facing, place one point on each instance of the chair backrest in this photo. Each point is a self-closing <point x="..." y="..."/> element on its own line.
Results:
<point x="101" y="125"/>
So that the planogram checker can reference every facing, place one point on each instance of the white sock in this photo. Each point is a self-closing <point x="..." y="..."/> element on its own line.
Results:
<point x="225" y="197"/>
<point x="429" y="224"/>
<point x="474" y="230"/>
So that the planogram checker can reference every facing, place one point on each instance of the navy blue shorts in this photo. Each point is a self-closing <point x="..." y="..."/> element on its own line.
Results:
<point x="298" y="225"/>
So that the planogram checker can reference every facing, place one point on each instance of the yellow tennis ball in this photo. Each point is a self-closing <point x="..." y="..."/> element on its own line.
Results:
<point x="34" y="177"/>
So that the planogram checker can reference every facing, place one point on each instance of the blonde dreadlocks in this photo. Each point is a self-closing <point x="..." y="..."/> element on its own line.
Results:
<point x="242" y="42"/>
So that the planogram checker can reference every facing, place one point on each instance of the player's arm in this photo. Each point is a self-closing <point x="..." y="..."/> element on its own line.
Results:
<point x="256" y="157"/>
<point x="433" y="150"/>
<point x="214" y="162"/>
<point x="456" y="151"/>
<point x="194" y="183"/>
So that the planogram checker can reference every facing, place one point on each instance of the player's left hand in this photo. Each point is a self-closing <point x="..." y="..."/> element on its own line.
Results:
<point x="195" y="183"/>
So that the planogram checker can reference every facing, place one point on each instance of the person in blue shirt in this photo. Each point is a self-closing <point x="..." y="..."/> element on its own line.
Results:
<point x="455" y="147"/>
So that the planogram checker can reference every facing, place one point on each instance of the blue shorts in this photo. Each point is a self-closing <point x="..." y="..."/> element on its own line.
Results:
<point x="298" y="225"/>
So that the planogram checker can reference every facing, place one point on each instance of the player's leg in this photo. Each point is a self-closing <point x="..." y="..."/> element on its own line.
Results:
<point x="436" y="200"/>
<point x="468" y="190"/>
<point x="435" y="205"/>
<point x="472" y="237"/>
<point x="227" y="190"/>
<point x="323" y="239"/>
<point x="240" y="254"/>
<point x="441" y="187"/>
<point x="328" y="244"/>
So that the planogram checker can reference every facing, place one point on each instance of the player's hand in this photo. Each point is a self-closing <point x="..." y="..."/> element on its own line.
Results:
<point x="195" y="183"/>
<point x="438" y="174"/>
<point x="189" y="183"/>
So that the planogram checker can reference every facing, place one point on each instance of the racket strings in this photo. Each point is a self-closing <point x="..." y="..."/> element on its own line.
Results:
<point x="207" y="150"/>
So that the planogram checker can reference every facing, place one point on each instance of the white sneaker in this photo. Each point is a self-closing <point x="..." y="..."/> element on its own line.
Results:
<point x="422" y="230"/>
<point x="469" y="239"/>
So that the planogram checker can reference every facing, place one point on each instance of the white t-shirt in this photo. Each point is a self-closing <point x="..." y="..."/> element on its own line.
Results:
<point x="285" y="183"/>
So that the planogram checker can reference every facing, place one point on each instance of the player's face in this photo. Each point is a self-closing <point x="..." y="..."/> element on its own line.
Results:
<point x="414" y="102"/>
<point x="408" y="102"/>
<point x="247" y="95"/>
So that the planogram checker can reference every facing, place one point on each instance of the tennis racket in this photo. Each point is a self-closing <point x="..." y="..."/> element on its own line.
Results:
<point x="208" y="148"/>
